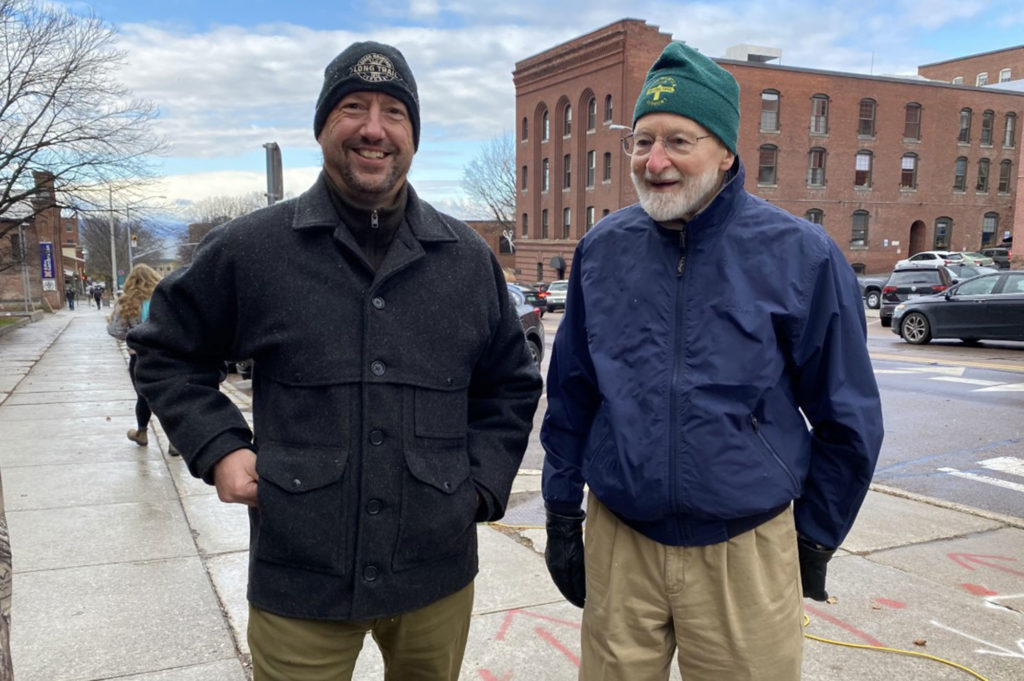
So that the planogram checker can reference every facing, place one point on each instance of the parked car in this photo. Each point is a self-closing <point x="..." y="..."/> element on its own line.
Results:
<point x="970" y="258"/>
<point x="871" y="289"/>
<point x="532" y="296"/>
<point x="961" y="272"/>
<point x="556" y="294"/>
<point x="987" y="307"/>
<point x="529" y="317"/>
<point x="926" y="257"/>
<point x="906" y="283"/>
<point x="1000" y="256"/>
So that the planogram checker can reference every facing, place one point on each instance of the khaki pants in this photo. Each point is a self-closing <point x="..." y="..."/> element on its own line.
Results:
<point x="734" y="609"/>
<point x="423" y="645"/>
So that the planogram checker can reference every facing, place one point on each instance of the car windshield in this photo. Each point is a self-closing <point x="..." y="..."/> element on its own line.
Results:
<point x="913" y="277"/>
<point x="559" y="286"/>
<point x="976" y="287"/>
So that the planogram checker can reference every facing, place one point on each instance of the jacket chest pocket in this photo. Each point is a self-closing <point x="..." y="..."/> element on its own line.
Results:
<point x="438" y="495"/>
<point x="302" y="507"/>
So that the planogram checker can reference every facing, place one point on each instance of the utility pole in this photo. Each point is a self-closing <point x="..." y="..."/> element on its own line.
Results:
<point x="113" y="250"/>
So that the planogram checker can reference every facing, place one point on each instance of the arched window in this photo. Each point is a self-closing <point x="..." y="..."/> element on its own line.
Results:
<point x="544" y="224"/>
<point x="566" y="222"/>
<point x="567" y="121"/>
<point x="592" y="114"/>
<point x="815" y="215"/>
<point x="525" y="133"/>
<point x="607" y="174"/>
<point x="1005" y="172"/>
<point x="866" y="118"/>
<point x="965" y="126"/>
<point x="908" y="171"/>
<point x="859" y="229"/>
<point x="862" y="169"/>
<point x="526" y="225"/>
<point x="607" y="108"/>
<point x="819" y="115"/>
<point x="983" y="168"/>
<point x="943" y="234"/>
<point x="912" y="122"/>
<point x="988" y="121"/>
<point x="545" y="174"/>
<point x="770" y="111"/>
<point x="816" y="167"/>
<point x="591" y="167"/>
<point x="960" y="174"/>
<point x="1010" y="130"/>
<point x="566" y="171"/>
<point x="989" y="225"/>
<point x="525" y="179"/>
<point x="545" y="126"/>
<point x="767" y="166"/>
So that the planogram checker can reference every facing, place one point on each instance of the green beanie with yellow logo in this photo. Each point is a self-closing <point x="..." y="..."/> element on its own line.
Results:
<point x="685" y="82"/>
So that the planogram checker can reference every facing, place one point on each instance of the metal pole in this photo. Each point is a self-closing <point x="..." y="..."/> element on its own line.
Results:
<point x="23" y="252"/>
<point x="131" y="259"/>
<point x="113" y="252"/>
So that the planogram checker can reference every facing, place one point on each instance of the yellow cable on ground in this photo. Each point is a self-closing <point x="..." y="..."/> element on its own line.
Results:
<point x="914" y="653"/>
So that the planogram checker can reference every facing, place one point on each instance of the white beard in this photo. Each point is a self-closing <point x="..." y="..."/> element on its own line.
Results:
<point x="683" y="201"/>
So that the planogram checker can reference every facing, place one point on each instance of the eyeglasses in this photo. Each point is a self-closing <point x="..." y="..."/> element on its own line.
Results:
<point x="640" y="145"/>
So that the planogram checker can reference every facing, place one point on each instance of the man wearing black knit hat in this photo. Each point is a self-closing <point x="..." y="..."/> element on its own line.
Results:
<point x="385" y="427"/>
<point x="713" y="506"/>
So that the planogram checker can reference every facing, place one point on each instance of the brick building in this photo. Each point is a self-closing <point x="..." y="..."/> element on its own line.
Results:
<point x="889" y="166"/>
<point x="998" y="66"/>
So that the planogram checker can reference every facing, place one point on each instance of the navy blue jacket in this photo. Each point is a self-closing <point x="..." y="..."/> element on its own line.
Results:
<point x="685" y="366"/>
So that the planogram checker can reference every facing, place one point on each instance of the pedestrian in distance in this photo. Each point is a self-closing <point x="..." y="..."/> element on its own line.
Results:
<point x="386" y="423"/>
<point x="713" y="505"/>
<point x="97" y="295"/>
<point x="69" y="293"/>
<point x="130" y="310"/>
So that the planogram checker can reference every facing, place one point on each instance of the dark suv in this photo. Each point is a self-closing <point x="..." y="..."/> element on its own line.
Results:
<point x="1000" y="256"/>
<point x="906" y="283"/>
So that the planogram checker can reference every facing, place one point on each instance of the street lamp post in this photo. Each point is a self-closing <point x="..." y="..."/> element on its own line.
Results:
<point x="113" y="251"/>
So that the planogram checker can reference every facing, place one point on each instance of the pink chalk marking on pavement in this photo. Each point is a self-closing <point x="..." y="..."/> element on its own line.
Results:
<point x="503" y="630"/>
<point x="978" y="590"/>
<point x="870" y="640"/>
<point x="895" y="605"/>
<point x="963" y="559"/>
<point x="557" y="645"/>
<point x="488" y="676"/>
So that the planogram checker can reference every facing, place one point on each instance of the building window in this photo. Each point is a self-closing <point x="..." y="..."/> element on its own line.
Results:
<point x="767" y="165"/>
<point x="943" y="234"/>
<point x="770" y="111"/>
<point x="815" y="215"/>
<point x="983" y="167"/>
<point x="604" y="212"/>
<point x="591" y="168"/>
<point x="607" y="108"/>
<point x="1004" y="75"/>
<point x="545" y="127"/>
<point x="965" y="126"/>
<point x="545" y="174"/>
<point x="567" y="121"/>
<point x="1010" y="130"/>
<point x="960" y="175"/>
<point x="592" y="114"/>
<point x="981" y="79"/>
<point x="816" y="168"/>
<point x="912" y="122"/>
<point x="526" y="183"/>
<point x="525" y="133"/>
<point x="862" y="169"/>
<point x="989" y="225"/>
<point x="859" y="229"/>
<point x="566" y="213"/>
<point x="607" y="166"/>
<point x="1005" y="170"/>
<point x="908" y="171"/>
<point x="958" y="80"/>
<point x="526" y="225"/>
<point x="590" y="217"/>
<point x="566" y="171"/>
<point x="819" y="115"/>
<point x="988" y="121"/>
<point x="544" y="224"/>
<point x="866" y="118"/>
<point x="504" y="245"/>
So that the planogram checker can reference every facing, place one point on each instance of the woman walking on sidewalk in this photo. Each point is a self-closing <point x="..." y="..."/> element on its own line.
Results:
<point x="131" y="309"/>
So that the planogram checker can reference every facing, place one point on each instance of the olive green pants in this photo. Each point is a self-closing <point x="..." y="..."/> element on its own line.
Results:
<point x="423" y="645"/>
<point x="733" y="610"/>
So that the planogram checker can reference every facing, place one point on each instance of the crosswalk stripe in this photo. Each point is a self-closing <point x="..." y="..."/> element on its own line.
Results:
<point x="1005" y="464"/>
<point x="969" y="381"/>
<point x="1006" y="387"/>
<point x="1017" y="487"/>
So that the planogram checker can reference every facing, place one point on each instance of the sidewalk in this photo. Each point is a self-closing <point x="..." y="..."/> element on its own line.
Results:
<point x="127" y="568"/>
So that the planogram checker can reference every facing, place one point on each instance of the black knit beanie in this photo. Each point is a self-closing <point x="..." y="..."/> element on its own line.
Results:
<point x="368" y="66"/>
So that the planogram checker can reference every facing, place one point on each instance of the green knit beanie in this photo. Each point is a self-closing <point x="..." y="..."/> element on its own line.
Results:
<point x="685" y="82"/>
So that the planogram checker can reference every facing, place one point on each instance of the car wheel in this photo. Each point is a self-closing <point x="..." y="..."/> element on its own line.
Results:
<point x="915" y="329"/>
<point x="873" y="300"/>
<point x="551" y="308"/>
<point x="534" y="351"/>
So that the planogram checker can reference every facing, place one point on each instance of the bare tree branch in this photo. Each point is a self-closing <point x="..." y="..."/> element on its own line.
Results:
<point x="490" y="179"/>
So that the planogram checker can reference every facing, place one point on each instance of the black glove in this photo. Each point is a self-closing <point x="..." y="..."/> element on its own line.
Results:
<point x="564" y="556"/>
<point x="813" y="566"/>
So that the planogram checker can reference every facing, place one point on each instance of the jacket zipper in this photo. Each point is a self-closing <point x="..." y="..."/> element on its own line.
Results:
<point x="771" y="450"/>
<point x="677" y="343"/>
<point x="374" y="220"/>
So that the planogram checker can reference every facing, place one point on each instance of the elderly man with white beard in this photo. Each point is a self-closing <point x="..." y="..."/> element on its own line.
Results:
<point x="704" y="330"/>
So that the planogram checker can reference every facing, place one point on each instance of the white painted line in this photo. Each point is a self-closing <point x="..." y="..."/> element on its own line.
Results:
<point x="1008" y="387"/>
<point x="1005" y="464"/>
<point x="969" y="381"/>
<point x="1015" y="486"/>
<point x="894" y="371"/>
<point x="992" y="648"/>
<point x="948" y="371"/>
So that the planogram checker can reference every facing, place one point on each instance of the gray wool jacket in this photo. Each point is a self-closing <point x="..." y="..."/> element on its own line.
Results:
<point x="391" y="409"/>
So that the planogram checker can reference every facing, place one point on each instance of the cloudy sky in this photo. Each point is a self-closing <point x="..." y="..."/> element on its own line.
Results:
<point x="230" y="75"/>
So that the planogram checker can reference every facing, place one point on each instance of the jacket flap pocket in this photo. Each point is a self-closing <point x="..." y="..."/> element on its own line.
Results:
<point x="440" y="413"/>
<point x="300" y="468"/>
<point x="444" y="469"/>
